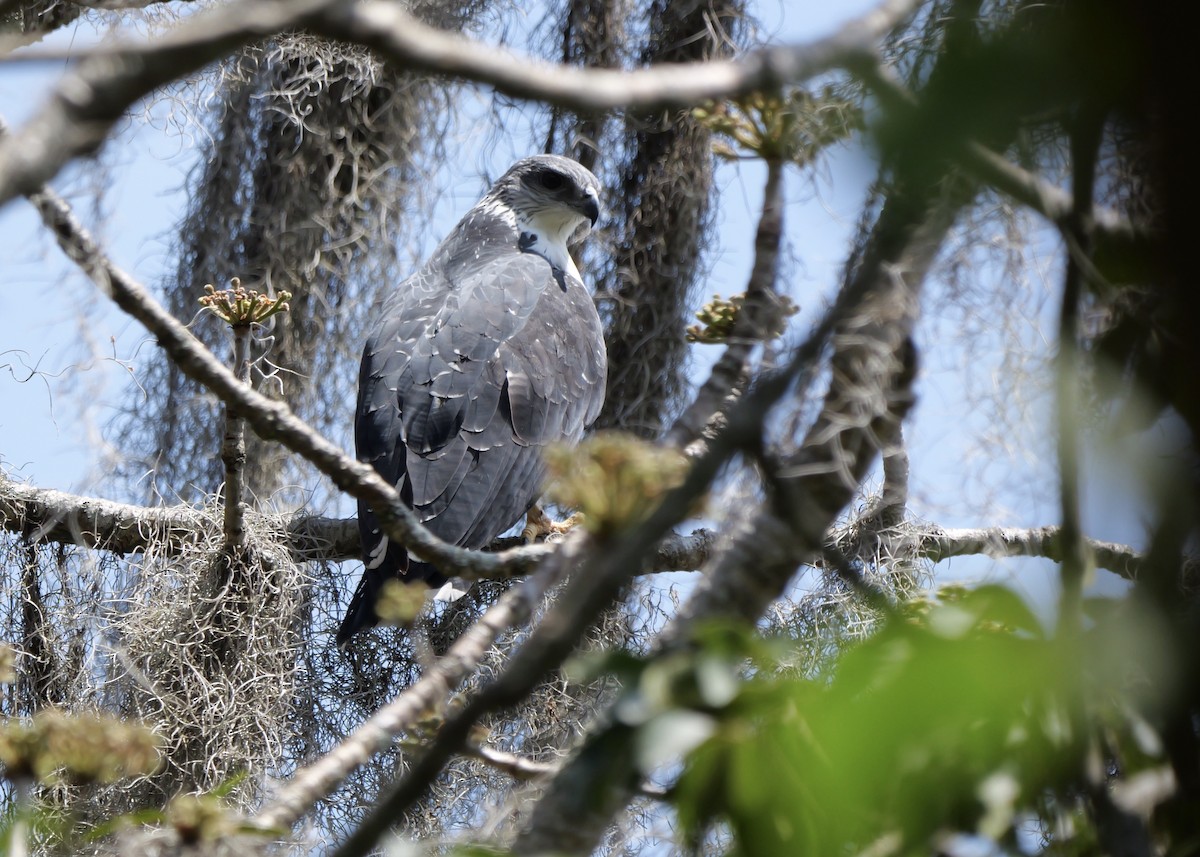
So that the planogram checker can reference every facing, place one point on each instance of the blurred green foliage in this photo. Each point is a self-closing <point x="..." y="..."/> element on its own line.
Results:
<point x="957" y="717"/>
<point x="80" y="748"/>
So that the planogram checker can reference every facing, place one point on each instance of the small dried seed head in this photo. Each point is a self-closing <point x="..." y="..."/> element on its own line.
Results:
<point x="200" y="818"/>
<point x="240" y="307"/>
<point x="615" y="479"/>
<point x="400" y="602"/>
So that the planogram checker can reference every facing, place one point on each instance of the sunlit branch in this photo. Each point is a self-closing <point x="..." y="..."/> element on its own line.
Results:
<point x="880" y="527"/>
<point x="893" y="497"/>
<point x="233" y="446"/>
<point x="517" y="767"/>
<point x="520" y="768"/>
<point x="106" y="82"/>
<point x="46" y="515"/>
<point x="937" y="545"/>
<point x="391" y="32"/>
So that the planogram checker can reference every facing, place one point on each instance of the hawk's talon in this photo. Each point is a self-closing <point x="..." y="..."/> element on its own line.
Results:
<point x="538" y="525"/>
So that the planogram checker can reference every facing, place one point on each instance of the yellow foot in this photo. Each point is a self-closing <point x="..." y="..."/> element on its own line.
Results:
<point x="538" y="524"/>
<point x="565" y="526"/>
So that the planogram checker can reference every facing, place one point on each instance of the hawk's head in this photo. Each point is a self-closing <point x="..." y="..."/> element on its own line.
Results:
<point x="554" y="198"/>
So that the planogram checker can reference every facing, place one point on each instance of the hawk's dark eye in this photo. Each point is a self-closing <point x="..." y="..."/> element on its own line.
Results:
<point x="551" y="180"/>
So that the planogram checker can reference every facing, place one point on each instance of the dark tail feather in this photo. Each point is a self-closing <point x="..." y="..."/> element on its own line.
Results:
<point x="361" y="615"/>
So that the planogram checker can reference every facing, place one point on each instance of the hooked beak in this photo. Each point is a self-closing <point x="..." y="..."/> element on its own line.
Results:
<point x="591" y="206"/>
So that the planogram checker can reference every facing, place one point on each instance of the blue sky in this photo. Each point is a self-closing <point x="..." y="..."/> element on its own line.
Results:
<point x="969" y="469"/>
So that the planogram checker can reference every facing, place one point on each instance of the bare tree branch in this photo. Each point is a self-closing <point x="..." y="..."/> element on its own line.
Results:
<point x="122" y="528"/>
<point x="46" y="515"/>
<point x="936" y="545"/>
<point x="55" y="516"/>
<point x="517" y="767"/>
<point x="233" y="446"/>
<point x="752" y="321"/>
<point x="887" y="510"/>
<point x="96" y="93"/>
<point x="520" y="768"/>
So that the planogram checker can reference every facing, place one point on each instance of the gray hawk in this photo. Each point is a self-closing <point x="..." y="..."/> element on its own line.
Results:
<point x="492" y="350"/>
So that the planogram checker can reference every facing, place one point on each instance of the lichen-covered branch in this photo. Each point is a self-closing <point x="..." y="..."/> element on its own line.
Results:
<point x="46" y="515"/>
<point x="55" y="516"/>
<point x="517" y="767"/>
<point x="123" y="528"/>
<point x="936" y="545"/>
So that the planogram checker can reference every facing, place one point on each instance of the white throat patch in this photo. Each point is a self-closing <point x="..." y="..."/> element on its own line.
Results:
<point x="548" y="233"/>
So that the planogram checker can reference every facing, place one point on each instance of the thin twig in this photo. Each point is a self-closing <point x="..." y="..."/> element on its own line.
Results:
<point x="233" y="447"/>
